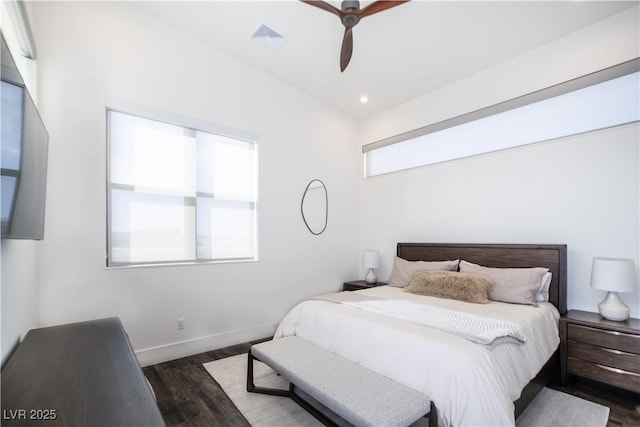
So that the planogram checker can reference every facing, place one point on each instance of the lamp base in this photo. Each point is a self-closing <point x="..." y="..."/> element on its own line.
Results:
<point x="371" y="277"/>
<point x="613" y="308"/>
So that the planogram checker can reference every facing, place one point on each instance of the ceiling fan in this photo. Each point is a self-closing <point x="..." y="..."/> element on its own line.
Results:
<point x="350" y="14"/>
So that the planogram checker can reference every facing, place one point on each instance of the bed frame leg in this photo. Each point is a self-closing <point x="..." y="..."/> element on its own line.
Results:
<point x="433" y="416"/>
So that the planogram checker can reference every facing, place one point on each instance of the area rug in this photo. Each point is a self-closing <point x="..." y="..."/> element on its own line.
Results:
<point x="550" y="408"/>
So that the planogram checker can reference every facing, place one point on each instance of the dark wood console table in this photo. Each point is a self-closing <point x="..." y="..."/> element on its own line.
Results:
<point x="80" y="374"/>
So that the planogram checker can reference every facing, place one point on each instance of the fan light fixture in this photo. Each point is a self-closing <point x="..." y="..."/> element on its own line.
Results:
<point x="350" y="15"/>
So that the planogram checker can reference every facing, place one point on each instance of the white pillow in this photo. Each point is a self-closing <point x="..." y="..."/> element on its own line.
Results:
<point x="543" y="292"/>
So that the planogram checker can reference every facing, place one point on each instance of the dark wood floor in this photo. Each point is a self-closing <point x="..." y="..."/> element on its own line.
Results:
<point x="188" y="396"/>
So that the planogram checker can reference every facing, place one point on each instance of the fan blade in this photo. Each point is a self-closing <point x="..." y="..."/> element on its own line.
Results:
<point x="324" y="6"/>
<point x="347" y="49"/>
<point x="378" y="6"/>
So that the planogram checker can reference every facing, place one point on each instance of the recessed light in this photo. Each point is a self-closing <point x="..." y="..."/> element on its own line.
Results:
<point x="364" y="99"/>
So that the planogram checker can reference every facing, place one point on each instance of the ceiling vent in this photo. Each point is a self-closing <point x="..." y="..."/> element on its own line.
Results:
<point x="268" y="38"/>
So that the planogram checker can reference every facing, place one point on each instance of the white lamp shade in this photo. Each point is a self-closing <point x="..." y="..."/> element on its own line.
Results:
<point x="613" y="274"/>
<point x="371" y="259"/>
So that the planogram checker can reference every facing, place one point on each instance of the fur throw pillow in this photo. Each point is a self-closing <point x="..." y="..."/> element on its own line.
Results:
<point x="468" y="287"/>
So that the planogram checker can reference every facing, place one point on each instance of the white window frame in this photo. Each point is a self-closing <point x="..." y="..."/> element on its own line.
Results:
<point x="452" y="139"/>
<point x="189" y="124"/>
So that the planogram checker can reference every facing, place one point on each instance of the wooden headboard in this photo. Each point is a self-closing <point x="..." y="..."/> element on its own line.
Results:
<point x="554" y="257"/>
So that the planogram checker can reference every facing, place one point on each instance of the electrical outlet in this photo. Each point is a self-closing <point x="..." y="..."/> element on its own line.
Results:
<point x="180" y="323"/>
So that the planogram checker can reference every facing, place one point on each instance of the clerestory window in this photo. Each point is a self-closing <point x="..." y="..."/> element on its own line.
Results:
<point x="600" y="100"/>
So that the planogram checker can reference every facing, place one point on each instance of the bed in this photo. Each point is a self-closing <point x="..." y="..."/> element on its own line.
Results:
<point x="471" y="384"/>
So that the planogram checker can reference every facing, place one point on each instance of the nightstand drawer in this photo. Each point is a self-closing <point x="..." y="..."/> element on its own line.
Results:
<point x="616" y="377"/>
<point x="603" y="338"/>
<point x="605" y="356"/>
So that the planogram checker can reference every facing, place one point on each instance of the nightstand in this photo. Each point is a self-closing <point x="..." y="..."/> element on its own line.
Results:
<point x="600" y="349"/>
<point x="357" y="285"/>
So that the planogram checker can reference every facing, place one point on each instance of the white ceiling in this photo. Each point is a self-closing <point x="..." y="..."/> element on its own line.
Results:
<point x="398" y="54"/>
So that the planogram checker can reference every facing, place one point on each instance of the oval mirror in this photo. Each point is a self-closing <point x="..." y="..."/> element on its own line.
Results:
<point x="314" y="207"/>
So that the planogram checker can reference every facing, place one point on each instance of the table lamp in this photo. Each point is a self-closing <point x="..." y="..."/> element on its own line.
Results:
<point x="613" y="275"/>
<point x="371" y="260"/>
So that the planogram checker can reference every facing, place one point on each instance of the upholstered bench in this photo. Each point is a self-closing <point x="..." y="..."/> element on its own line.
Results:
<point x="356" y="394"/>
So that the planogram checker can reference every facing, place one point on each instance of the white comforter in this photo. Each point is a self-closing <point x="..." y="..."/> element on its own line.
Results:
<point x="469" y="384"/>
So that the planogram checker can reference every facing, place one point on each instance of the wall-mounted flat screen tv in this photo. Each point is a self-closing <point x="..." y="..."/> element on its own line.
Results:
<point x="23" y="159"/>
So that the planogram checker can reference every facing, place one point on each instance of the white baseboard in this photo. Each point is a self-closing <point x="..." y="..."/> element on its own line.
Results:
<point x="164" y="353"/>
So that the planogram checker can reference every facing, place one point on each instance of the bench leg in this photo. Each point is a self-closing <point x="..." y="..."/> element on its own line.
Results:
<point x="252" y="388"/>
<point x="290" y="393"/>
<point x="312" y="410"/>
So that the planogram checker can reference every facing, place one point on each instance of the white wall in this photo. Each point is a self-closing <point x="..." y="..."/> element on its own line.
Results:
<point x="89" y="52"/>
<point x="582" y="191"/>
<point x="18" y="267"/>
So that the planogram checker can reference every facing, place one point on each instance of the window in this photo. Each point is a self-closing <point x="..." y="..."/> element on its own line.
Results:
<point x="178" y="193"/>
<point x="603" y="99"/>
<point x="11" y="155"/>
